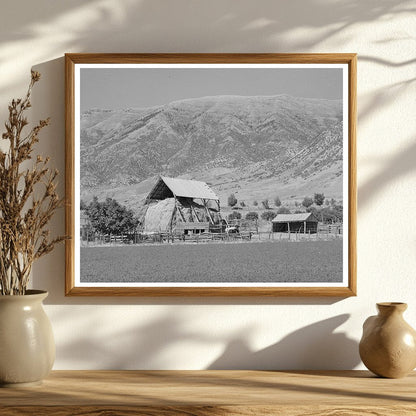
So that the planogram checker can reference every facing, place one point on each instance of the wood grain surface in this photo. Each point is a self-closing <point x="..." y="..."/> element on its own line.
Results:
<point x="203" y="393"/>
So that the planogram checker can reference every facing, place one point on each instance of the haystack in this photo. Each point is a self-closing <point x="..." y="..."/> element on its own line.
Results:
<point x="159" y="216"/>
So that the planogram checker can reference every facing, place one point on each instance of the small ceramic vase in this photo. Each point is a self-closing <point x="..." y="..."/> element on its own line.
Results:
<point x="27" y="347"/>
<point x="388" y="344"/>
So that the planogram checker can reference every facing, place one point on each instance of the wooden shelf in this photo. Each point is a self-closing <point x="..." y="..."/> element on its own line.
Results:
<point x="203" y="393"/>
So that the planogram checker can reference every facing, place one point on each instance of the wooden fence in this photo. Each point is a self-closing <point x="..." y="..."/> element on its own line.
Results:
<point x="326" y="233"/>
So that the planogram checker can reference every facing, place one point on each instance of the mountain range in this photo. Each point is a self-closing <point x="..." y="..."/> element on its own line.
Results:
<point x="256" y="147"/>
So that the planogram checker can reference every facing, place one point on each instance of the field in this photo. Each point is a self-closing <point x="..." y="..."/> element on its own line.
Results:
<point x="302" y="261"/>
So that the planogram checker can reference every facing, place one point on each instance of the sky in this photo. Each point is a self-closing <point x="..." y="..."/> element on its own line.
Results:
<point x="120" y="88"/>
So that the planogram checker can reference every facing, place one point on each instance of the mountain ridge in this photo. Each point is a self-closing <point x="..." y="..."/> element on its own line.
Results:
<point x="231" y="142"/>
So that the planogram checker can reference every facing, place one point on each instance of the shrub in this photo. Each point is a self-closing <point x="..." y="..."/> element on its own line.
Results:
<point x="268" y="215"/>
<point x="234" y="215"/>
<point x="265" y="204"/>
<point x="232" y="200"/>
<point x="319" y="199"/>
<point x="330" y="215"/>
<point x="277" y="201"/>
<point x="252" y="215"/>
<point x="283" y="210"/>
<point x="307" y="202"/>
<point x="314" y="211"/>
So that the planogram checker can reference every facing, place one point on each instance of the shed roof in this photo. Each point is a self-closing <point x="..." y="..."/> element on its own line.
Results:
<point x="304" y="216"/>
<point x="168" y="187"/>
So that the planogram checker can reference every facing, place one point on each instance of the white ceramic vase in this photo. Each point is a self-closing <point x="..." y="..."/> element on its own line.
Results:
<point x="27" y="347"/>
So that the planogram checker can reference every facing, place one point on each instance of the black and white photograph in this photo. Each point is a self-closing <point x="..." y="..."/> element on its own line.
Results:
<point x="211" y="175"/>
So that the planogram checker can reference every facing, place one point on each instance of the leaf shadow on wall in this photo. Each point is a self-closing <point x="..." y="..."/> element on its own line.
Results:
<point x="242" y="26"/>
<point x="392" y="170"/>
<point x="144" y="346"/>
<point x="313" y="347"/>
<point x="149" y="26"/>
<point x="403" y="162"/>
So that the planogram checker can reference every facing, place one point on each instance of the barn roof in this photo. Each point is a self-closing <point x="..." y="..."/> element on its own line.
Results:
<point x="168" y="187"/>
<point x="304" y="216"/>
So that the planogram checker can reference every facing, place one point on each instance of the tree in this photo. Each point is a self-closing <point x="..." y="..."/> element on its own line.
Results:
<point x="242" y="204"/>
<point x="313" y="210"/>
<point x="255" y="203"/>
<point x="331" y="215"/>
<point x="252" y="216"/>
<point x="283" y="210"/>
<point x="83" y="205"/>
<point x="268" y="215"/>
<point x="307" y="202"/>
<point x="319" y="199"/>
<point x="317" y="212"/>
<point x="277" y="201"/>
<point x="232" y="200"/>
<point x="234" y="215"/>
<point x="110" y="217"/>
<point x="338" y="212"/>
<point x="265" y="204"/>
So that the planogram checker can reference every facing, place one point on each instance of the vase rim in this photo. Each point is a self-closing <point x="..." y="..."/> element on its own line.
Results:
<point x="30" y="293"/>
<point x="401" y="306"/>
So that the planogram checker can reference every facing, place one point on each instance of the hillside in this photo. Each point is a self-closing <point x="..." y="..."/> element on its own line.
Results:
<point x="252" y="146"/>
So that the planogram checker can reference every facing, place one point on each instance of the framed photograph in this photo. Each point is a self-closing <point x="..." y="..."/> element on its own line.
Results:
<point x="211" y="174"/>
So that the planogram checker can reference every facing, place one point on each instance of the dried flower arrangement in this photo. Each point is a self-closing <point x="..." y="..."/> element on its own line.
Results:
<point x="28" y="199"/>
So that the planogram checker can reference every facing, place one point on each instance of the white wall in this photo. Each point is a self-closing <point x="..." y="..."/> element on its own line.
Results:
<point x="199" y="333"/>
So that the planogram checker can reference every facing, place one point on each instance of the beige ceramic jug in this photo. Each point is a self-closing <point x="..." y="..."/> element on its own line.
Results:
<point x="388" y="344"/>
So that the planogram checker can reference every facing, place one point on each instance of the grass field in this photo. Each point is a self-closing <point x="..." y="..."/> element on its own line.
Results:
<point x="305" y="261"/>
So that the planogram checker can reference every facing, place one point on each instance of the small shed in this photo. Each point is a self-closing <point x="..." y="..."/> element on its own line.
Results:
<point x="304" y="222"/>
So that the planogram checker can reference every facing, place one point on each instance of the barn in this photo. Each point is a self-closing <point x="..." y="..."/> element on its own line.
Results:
<point x="181" y="206"/>
<point x="304" y="222"/>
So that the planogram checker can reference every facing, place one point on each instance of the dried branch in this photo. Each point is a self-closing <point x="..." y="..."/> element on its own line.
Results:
<point x="23" y="217"/>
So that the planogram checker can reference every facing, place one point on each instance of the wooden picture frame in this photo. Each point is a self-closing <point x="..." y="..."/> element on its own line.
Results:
<point x="86" y="85"/>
